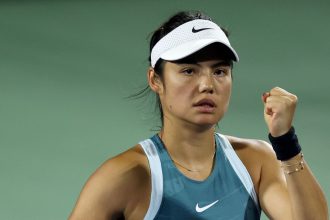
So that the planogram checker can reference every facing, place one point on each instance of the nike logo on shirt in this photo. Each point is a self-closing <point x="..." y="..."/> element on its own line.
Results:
<point x="202" y="209"/>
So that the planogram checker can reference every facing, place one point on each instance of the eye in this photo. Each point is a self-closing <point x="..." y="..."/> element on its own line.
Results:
<point x="221" y="72"/>
<point x="188" y="71"/>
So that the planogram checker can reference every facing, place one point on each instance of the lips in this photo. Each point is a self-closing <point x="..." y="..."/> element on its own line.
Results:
<point x="205" y="106"/>
<point x="205" y="102"/>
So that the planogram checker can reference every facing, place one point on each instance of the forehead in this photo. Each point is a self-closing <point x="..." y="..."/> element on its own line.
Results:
<point x="215" y="51"/>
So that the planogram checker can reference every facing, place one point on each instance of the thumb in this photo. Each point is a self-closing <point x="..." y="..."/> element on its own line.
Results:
<point x="264" y="96"/>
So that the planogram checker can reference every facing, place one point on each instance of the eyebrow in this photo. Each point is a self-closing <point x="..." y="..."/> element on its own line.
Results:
<point x="217" y="64"/>
<point x="222" y="63"/>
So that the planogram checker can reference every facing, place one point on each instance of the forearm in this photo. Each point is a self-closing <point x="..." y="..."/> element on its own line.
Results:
<point x="306" y="196"/>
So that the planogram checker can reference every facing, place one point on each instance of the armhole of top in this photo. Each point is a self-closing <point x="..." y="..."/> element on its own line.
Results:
<point x="239" y="168"/>
<point x="156" y="178"/>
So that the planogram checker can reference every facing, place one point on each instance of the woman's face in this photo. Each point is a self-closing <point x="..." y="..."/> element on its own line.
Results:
<point x="197" y="89"/>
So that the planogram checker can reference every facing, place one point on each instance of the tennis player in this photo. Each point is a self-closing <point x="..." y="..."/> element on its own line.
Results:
<point x="188" y="170"/>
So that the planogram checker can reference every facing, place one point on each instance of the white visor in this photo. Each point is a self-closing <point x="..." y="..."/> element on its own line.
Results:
<point x="189" y="38"/>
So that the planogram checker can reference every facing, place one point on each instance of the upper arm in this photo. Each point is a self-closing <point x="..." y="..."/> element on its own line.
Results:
<point x="110" y="189"/>
<point x="95" y="201"/>
<point x="273" y="194"/>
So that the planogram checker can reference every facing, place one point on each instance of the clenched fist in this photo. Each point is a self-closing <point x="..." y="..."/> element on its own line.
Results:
<point x="279" y="108"/>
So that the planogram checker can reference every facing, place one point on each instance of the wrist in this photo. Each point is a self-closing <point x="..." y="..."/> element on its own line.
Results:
<point x="285" y="146"/>
<point x="293" y="165"/>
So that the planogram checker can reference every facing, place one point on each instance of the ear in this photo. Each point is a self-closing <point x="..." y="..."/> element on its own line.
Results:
<point x="154" y="81"/>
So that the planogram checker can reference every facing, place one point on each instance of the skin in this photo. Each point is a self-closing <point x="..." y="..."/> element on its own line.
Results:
<point x="121" y="187"/>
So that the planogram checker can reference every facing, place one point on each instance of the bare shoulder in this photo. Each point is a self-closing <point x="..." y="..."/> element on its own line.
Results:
<point x="131" y="162"/>
<point x="266" y="174"/>
<point x="127" y="168"/>
<point x="115" y="188"/>
<point x="256" y="155"/>
<point x="255" y="148"/>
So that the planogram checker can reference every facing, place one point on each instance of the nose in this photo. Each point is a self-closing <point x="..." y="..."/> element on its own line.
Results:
<point x="206" y="84"/>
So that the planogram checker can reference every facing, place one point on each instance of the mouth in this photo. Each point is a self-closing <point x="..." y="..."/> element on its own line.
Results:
<point x="205" y="102"/>
<point x="205" y="105"/>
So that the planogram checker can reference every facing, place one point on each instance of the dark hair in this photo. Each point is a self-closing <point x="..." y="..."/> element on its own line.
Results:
<point x="172" y="23"/>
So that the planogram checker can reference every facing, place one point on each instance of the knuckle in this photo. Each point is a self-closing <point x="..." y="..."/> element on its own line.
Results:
<point x="295" y="98"/>
<point x="276" y="88"/>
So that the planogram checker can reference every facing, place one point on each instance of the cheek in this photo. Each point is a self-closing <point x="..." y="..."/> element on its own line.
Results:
<point x="224" y="94"/>
<point x="228" y="93"/>
<point x="224" y="87"/>
<point x="177" y="88"/>
<point x="229" y="85"/>
<point x="178" y="96"/>
<point x="229" y="90"/>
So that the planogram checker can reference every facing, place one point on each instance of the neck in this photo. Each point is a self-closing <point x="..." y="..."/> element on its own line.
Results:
<point x="189" y="145"/>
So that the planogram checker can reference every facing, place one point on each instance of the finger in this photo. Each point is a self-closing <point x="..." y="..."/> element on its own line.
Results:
<point x="279" y="99"/>
<point x="277" y="91"/>
<point x="268" y="111"/>
<point x="264" y="96"/>
<point x="284" y="101"/>
<point x="279" y="105"/>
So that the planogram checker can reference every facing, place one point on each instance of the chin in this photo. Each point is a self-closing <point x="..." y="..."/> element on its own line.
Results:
<point x="206" y="123"/>
<point x="209" y="119"/>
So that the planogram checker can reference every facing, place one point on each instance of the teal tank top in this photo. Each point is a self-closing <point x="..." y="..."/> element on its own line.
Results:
<point x="227" y="193"/>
